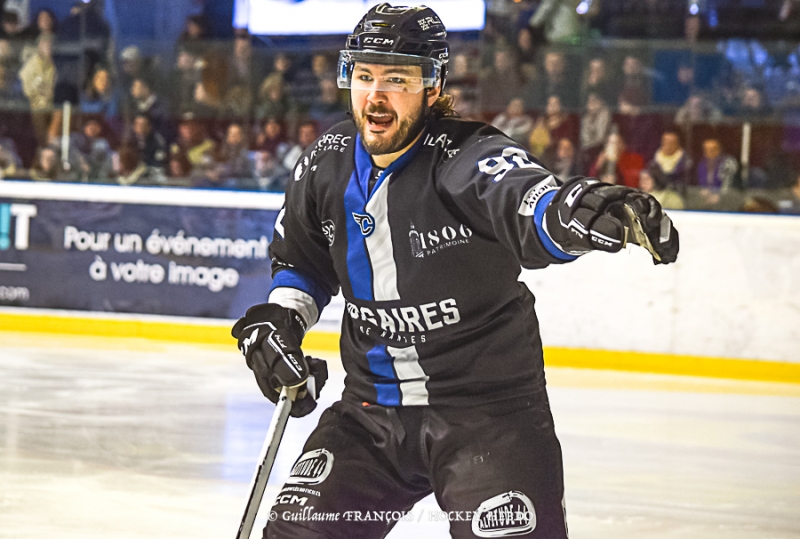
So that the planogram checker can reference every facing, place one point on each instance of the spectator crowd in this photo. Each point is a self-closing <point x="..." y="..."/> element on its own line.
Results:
<point x="701" y="125"/>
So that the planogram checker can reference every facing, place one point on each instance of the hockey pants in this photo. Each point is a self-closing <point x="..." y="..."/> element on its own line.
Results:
<point x="495" y="470"/>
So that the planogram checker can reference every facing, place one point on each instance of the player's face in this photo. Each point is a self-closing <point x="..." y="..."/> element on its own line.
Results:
<point x="388" y="120"/>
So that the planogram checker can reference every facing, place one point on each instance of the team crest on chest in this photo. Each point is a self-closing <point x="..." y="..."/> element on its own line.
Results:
<point x="366" y="223"/>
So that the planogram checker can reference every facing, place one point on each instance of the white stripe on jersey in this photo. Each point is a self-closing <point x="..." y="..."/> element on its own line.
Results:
<point x="292" y="298"/>
<point x="379" y="247"/>
<point x="408" y="369"/>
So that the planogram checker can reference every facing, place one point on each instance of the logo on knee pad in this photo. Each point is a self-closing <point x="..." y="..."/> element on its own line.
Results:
<point x="504" y="515"/>
<point x="312" y="468"/>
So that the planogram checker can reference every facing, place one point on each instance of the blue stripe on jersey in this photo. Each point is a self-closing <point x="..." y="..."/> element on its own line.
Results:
<point x="359" y="270"/>
<point x="387" y="387"/>
<point x="538" y="217"/>
<point x="356" y="196"/>
<point x="294" y="279"/>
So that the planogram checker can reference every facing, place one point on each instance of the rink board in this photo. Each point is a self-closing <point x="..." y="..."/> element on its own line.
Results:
<point x="141" y="250"/>
<point x="734" y="294"/>
<point x="217" y="333"/>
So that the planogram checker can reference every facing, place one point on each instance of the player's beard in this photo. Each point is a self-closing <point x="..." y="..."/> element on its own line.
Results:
<point x="407" y="130"/>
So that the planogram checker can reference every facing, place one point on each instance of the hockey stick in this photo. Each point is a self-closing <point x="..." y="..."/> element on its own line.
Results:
<point x="266" y="460"/>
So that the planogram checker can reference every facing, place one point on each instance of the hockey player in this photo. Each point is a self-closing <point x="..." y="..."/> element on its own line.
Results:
<point x="423" y="221"/>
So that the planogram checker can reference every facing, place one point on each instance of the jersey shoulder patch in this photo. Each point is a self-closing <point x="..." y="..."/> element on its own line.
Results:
<point x="335" y="142"/>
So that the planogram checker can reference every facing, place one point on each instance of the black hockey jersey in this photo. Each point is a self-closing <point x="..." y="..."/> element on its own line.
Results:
<point x="427" y="261"/>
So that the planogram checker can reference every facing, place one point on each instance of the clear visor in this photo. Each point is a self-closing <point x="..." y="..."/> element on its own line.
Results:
<point x="387" y="71"/>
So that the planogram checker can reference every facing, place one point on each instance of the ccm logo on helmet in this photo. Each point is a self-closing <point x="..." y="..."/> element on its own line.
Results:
<point x="378" y="41"/>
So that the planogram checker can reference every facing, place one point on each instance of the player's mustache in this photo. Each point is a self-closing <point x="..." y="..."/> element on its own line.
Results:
<point x="377" y="109"/>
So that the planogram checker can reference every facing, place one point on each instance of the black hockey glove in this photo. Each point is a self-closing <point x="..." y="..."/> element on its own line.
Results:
<point x="587" y="214"/>
<point x="269" y="337"/>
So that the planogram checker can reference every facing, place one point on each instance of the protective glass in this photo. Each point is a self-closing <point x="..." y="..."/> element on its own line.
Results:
<point x="358" y="71"/>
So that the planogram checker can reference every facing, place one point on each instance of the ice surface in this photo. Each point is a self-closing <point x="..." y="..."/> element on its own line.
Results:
<point x="136" y="439"/>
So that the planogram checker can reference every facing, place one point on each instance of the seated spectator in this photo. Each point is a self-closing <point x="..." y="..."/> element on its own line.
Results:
<point x="273" y="100"/>
<point x="7" y="53"/>
<point x="272" y="138"/>
<point x="328" y="110"/>
<point x="48" y="167"/>
<point x="555" y="81"/>
<point x="752" y="104"/>
<point x="45" y="24"/>
<point x="233" y="159"/>
<point x="669" y="199"/>
<point x="500" y="83"/>
<point x="467" y="108"/>
<point x="674" y="83"/>
<point x="461" y="74"/>
<point x="716" y="171"/>
<point x="283" y="68"/>
<point x="151" y="145"/>
<point x="183" y="78"/>
<point x="134" y="65"/>
<point x="10" y="27"/>
<point x="179" y="169"/>
<point x="635" y="91"/>
<point x="244" y="65"/>
<point x="307" y="133"/>
<point x="144" y="100"/>
<point x="554" y="125"/>
<point x="775" y="174"/>
<point x="525" y="47"/>
<point x="11" y="62"/>
<point x="101" y="99"/>
<point x="514" y="122"/>
<point x="671" y="162"/>
<point x="268" y="172"/>
<point x="195" y="34"/>
<point x="206" y="103"/>
<point x="243" y="74"/>
<point x="131" y="168"/>
<point x="94" y="153"/>
<point x="10" y="163"/>
<point x="617" y="165"/>
<point x="563" y="162"/>
<point x="698" y="110"/>
<point x="788" y="200"/>
<point x="38" y="77"/>
<point x="11" y="95"/>
<point x="238" y="104"/>
<point x="595" y="125"/>
<point x="306" y="89"/>
<point x="193" y="143"/>
<point x="597" y="81"/>
<point x="758" y="204"/>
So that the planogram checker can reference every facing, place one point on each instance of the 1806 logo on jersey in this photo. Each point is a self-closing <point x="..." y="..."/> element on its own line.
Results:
<point x="431" y="242"/>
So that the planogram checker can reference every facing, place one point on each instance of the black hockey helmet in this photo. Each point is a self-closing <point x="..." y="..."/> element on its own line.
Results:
<point x="398" y="35"/>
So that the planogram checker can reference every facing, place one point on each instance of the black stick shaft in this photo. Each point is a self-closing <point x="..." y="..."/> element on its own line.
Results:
<point x="266" y="460"/>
